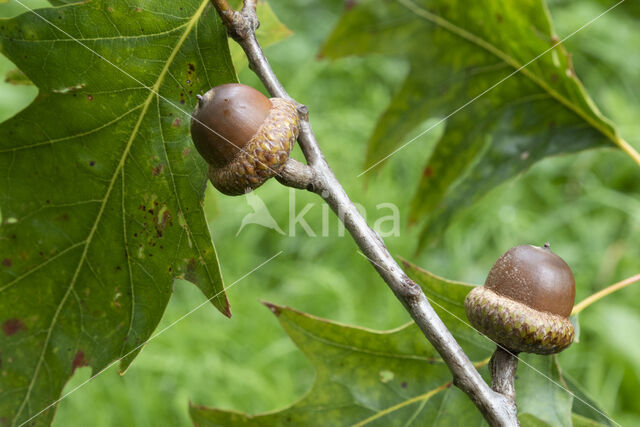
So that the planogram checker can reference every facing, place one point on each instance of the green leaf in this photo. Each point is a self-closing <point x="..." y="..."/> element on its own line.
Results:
<point x="541" y="391"/>
<point x="366" y="377"/>
<point x="63" y="2"/>
<point x="580" y="421"/>
<point x="529" y="420"/>
<point x="101" y="191"/>
<point x="363" y="377"/>
<point x="584" y="405"/>
<point x="463" y="59"/>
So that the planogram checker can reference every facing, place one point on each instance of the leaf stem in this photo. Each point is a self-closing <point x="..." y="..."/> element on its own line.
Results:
<point x="627" y="148"/>
<point x="317" y="176"/>
<point x="604" y="292"/>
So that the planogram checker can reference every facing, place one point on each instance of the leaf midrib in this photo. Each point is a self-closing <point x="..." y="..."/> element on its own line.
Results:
<point x="423" y="397"/>
<point x="132" y="137"/>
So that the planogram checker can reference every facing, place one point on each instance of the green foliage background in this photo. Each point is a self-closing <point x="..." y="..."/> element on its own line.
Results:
<point x="587" y="205"/>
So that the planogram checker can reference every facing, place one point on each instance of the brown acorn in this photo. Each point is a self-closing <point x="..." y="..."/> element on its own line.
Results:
<point x="526" y="301"/>
<point x="244" y="136"/>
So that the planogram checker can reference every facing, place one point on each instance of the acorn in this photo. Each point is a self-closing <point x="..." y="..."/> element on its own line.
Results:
<point x="244" y="136"/>
<point x="526" y="301"/>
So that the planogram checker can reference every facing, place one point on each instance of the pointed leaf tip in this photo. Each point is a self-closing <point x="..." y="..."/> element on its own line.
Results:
<point x="275" y="309"/>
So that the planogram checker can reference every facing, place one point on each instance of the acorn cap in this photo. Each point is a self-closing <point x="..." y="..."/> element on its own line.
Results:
<point x="515" y="325"/>
<point x="244" y="136"/>
<point x="526" y="301"/>
<point x="263" y="156"/>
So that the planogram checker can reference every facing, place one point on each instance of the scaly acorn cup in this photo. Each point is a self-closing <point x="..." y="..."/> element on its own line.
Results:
<point x="244" y="136"/>
<point x="526" y="301"/>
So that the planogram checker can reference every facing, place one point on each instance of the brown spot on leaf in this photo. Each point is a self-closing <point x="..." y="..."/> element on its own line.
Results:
<point x="176" y="123"/>
<point x="404" y="384"/>
<point x="161" y="221"/>
<point x="13" y="326"/>
<point x="157" y="169"/>
<point x="7" y="262"/>
<point x="192" y="68"/>
<point x="78" y="361"/>
<point x="190" y="274"/>
<point x="186" y="151"/>
<point x="428" y="172"/>
<point x="90" y="97"/>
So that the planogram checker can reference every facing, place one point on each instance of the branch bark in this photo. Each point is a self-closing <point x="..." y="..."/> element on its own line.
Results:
<point x="318" y="177"/>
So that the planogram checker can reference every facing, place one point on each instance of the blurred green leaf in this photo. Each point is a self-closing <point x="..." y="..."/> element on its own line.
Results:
<point x="473" y="64"/>
<point x="540" y="390"/>
<point x="529" y="420"/>
<point x="584" y="406"/>
<point x="366" y="377"/>
<point x="271" y="31"/>
<point x="101" y="190"/>
<point x="17" y="77"/>
<point x="580" y="421"/>
<point x="575" y="321"/>
<point x="63" y="2"/>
